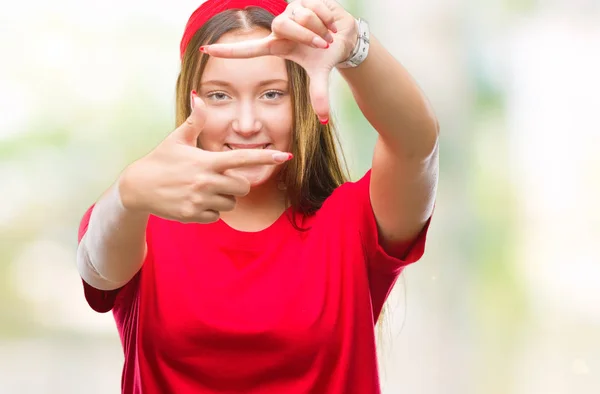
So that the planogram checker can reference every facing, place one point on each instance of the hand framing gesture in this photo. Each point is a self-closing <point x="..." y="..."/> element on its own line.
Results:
<point x="315" y="34"/>
<point x="179" y="181"/>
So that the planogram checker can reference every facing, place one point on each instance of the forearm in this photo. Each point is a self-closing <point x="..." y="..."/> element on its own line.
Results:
<point x="393" y="103"/>
<point x="114" y="247"/>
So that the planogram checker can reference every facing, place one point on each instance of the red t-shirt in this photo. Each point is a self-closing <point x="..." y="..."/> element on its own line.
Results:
<point x="216" y="310"/>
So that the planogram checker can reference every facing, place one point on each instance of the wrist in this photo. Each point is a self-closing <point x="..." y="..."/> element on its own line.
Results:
<point x="125" y="195"/>
<point x="360" y="48"/>
<point x="352" y="43"/>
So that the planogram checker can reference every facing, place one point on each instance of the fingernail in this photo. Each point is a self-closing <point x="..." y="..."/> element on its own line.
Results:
<point x="203" y="49"/>
<point x="324" y="121"/>
<point x="333" y="27"/>
<point x="318" y="42"/>
<point x="329" y="37"/>
<point x="282" y="157"/>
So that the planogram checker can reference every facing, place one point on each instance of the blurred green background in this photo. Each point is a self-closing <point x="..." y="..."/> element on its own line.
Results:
<point x="507" y="297"/>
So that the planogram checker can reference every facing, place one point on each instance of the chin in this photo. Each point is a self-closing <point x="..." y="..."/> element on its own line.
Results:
<point x="257" y="175"/>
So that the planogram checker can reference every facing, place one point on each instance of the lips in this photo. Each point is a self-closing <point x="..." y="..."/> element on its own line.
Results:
<point x="246" y="146"/>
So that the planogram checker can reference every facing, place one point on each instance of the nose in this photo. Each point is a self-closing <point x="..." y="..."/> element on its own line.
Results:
<point x="246" y="122"/>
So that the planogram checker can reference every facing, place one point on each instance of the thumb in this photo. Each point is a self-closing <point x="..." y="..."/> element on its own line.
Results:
<point x="188" y="132"/>
<point x="319" y="93"/>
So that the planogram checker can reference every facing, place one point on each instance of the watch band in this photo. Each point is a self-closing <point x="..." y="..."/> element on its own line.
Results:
<point x="361" y="49"/>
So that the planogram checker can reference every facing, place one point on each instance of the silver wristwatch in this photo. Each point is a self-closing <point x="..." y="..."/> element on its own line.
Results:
<point x="361" y="49"/>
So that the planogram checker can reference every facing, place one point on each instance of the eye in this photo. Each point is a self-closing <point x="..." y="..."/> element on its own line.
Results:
<point x="217" y="96"/>
<point x="273" y="94"/>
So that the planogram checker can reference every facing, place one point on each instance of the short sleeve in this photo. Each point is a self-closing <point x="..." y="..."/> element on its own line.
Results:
<point x="392" y="259"/>
<point x="99" y="300"/>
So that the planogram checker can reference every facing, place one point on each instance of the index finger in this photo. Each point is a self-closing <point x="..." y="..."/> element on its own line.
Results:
<point x="322" y="11"/>
<point x="240" y="50"/>
<point x="248" y="157"/>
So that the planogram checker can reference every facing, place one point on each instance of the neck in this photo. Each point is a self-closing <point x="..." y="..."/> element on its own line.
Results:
<point x="258" y="209"/>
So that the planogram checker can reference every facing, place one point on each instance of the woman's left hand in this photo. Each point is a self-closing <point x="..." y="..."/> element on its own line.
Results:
<point x="315" y="34"/>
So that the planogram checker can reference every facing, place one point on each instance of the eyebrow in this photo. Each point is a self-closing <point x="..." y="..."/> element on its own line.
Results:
<point x="227" y="84"/>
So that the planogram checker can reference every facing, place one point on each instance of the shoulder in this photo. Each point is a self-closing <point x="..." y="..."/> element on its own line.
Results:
<point x="352" y="198"/>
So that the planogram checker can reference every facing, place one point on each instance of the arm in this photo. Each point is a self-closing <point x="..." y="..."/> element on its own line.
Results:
<point x="405" y="163"/>
<point x="114" y="246"/>
<point x="176" y="181"/>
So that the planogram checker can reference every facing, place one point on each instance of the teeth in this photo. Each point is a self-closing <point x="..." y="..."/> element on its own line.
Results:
<point x="235" y="148"/>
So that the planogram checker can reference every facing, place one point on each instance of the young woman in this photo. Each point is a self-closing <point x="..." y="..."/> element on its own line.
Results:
<point x="235" y="256"/>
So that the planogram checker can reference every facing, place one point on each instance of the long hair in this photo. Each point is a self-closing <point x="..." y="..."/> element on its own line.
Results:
<point x="317" y="169"/>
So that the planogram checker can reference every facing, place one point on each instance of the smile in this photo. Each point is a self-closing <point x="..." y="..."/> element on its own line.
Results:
<point x="246" y="146"/>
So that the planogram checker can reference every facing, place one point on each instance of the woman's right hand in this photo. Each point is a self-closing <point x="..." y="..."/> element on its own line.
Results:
<point x="179" y="181"/>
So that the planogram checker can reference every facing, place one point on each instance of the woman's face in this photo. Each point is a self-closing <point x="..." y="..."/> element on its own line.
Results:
<point x="248" y="104"/>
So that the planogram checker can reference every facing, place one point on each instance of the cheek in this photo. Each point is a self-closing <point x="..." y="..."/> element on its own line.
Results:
<point x="280" y="122"/>
<point x="210" y="139"/>
<point x="214" y="132"/>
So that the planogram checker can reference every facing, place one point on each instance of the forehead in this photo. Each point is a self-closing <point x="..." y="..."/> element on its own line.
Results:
<point x="244" y="71"/>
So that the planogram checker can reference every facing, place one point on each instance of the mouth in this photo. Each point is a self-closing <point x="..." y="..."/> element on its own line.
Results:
<point x="246" y="146"/>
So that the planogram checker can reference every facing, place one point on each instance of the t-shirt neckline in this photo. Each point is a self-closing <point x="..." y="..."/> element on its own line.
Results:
<point x="253" y="240"/>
